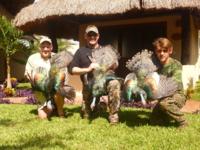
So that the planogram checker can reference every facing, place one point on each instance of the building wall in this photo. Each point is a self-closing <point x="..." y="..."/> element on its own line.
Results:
<point x="191" y="71"/>
<point x="173" y="29"/>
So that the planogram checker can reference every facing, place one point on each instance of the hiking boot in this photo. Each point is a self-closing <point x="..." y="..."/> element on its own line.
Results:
<point x="102" y="107"/>
<point x="85" y="111"/>
<point x="114" y="118"/>
<point x="84" y="114"/>
<point x="182" y="125"/>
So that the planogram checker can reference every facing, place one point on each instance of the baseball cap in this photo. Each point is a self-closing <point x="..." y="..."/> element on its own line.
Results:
<point x="45" y="39"/>
<point x="91" y="28"/>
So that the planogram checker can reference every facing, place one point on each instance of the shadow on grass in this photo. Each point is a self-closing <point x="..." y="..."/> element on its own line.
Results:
<point x="38" y="142"/>
<point x="130" y="117"/>
<point x="44" y="141"/>
<point x="73" y="109"/>
<point x="69" y="111"/>
<point x="100" y="114"/>
<point x="10" y="123"/>
<point x="141" y="117"/>
<point x="134" y="117"/>
<point x="6" y="122"/>
<point x="33" y="111"/>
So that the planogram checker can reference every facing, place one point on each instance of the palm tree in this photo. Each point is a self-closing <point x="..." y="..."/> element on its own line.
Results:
<point x="10" y="43"/>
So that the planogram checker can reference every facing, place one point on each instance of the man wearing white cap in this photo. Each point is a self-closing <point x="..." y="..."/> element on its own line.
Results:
<point x="37" y="72"/>
<point x="83" y="66"/>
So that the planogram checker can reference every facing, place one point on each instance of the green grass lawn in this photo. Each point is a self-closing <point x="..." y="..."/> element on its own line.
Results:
<point x="21" y="129"/>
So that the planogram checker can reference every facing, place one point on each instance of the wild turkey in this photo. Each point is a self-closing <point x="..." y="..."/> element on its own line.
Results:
<point x="59" y="63"/>
<point x="144" y="79"/>
<point x="48" y="83"/>
<point x="106" y="57"/>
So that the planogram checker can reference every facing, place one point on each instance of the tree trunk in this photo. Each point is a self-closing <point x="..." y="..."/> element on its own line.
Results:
<point x="9" y="85"/>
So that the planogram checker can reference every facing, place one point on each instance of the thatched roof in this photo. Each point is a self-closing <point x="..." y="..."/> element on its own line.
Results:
<point x="75" y="12"/>
<point x="46" y="8"/>
<point x="170" y="4"/>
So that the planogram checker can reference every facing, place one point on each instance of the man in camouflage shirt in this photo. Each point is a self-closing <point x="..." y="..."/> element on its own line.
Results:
<point x="168" y="108"/>
<point x="83" y="66"/>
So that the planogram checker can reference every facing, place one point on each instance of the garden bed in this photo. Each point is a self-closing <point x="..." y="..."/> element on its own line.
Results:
<point x="26" y="96"/>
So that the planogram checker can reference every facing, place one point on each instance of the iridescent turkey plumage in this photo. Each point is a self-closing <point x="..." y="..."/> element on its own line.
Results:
<point x="155" y="86"/>
<point x="106" y="57"/>
<point x="55" y="81"/>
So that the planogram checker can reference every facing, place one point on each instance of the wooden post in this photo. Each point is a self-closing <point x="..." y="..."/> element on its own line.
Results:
<point x="52" y="35"/>
<point x="186" y="29"/>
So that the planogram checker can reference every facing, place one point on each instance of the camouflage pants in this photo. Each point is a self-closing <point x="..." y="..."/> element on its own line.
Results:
<point x="169" y="109"/>
<point x="113" y="91"/>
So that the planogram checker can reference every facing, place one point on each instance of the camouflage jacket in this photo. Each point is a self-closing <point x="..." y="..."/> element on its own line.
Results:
<point x="173" y="69"/>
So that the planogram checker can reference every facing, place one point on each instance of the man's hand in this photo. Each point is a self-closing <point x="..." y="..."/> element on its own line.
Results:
<point x="94" y="66"/>
<point x="113" y="66"/>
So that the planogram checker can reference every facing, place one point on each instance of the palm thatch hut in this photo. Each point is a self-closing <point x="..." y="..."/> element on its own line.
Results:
<point x="130" y="25"/>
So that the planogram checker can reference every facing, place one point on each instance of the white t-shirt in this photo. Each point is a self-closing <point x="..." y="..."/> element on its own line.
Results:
<point x="36" y="64"/>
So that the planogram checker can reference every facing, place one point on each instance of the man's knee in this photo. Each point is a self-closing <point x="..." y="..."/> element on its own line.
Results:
<point x="113" y="85"/>
<point x="163" y="105"/>
<point x="114" y="89"/>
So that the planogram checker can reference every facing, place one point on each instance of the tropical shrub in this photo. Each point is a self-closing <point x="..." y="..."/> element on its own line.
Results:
<point x="11" y="41"/>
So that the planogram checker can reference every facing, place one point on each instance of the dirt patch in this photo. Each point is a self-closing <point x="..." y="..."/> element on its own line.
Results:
<point x="191" y="106"/>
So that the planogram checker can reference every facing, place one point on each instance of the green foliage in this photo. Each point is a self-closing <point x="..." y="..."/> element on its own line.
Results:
<point x="196" y="91"/>
<point x="9" y="36"/>
<point x="25" y="85"/>
<point x="189" y="90"/>
<point x="21" y="129"/>
<point x="197" y="87"/>
<point x="63" y="44"/>
<point x="11" y="41"/>
<point x="9" y="91"/>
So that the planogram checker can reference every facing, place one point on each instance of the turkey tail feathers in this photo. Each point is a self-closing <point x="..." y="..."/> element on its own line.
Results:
<point x="166" y="87"/>
<point x="61" y="59"/>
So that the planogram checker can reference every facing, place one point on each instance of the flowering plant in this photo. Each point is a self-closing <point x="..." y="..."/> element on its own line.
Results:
<point x="14" y="82"/>
<point x="9" y="91"/>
